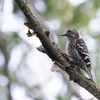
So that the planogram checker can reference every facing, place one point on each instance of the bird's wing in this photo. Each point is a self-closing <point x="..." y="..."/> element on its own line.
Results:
<point x="83" y="51"/>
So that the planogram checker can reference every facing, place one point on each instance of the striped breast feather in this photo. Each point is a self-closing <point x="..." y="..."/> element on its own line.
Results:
<point x="83" y="51"/>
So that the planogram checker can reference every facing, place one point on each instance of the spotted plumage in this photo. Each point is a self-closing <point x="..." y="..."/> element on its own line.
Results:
<point x="77" y="50"/>
<point x="83" y="51"/>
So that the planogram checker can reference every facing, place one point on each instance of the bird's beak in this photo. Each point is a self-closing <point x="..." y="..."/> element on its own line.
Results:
<point x="63" y="35"/>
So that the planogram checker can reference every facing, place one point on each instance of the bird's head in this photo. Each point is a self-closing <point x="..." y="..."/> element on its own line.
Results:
<point x="71" y="34"/>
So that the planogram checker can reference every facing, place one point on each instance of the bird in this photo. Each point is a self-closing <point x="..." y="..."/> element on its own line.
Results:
<point x="77" y="51"/>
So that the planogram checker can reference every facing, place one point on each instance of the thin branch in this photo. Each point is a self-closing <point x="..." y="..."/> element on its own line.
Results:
<point x="55" y="54"/>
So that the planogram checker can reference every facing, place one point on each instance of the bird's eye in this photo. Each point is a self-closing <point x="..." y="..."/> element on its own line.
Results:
<point x="69" y="31"/>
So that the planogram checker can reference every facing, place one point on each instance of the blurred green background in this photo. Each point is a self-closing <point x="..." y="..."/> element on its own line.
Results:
<point x="25" y="72"/>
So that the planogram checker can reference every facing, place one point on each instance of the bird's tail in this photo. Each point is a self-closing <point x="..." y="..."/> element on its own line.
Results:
<point x="90" y="75"/>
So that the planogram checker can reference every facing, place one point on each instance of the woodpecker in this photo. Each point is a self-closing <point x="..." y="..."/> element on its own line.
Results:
<point x="77" y="51"/>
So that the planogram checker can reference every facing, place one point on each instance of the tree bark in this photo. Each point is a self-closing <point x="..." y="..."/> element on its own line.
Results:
<point x="56" y="54"/>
